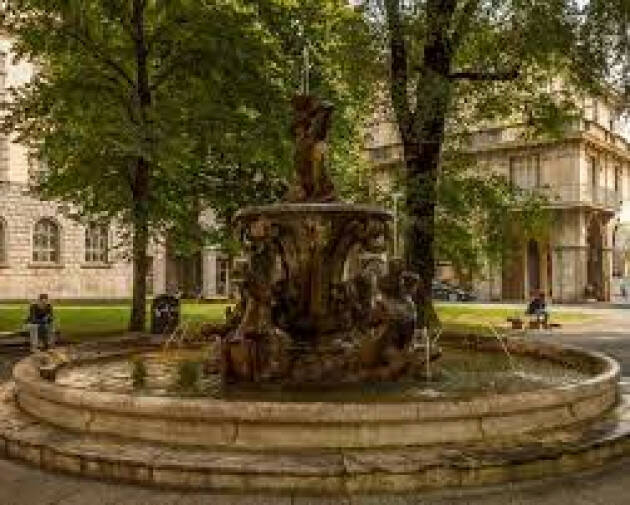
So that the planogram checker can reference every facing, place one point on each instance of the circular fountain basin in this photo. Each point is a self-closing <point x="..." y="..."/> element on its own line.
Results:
<point x="269" y="425"/>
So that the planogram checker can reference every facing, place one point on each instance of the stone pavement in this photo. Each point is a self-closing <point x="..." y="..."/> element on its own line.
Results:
<point x="21" y="485"/>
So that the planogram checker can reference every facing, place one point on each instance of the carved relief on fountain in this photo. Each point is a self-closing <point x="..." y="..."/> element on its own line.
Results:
<point x="303" y="317"/>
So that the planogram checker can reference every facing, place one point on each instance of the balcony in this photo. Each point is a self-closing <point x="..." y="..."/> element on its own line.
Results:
<point x="581" y="195"/>
<point x="518" y="133"/>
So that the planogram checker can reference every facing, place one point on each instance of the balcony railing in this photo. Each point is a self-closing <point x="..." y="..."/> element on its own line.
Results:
<point x="582" y="194"/>
<point x="517" y="133"/>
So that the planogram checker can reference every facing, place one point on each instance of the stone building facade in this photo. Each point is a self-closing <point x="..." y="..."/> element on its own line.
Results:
<point x="585" y="174"/>
<point x="44" y="250"/>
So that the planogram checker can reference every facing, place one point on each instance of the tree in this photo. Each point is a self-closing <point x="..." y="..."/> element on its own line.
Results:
<point x="146" y="110"/>
<point x="103" y="108"/>
<point x="486" y="59"/>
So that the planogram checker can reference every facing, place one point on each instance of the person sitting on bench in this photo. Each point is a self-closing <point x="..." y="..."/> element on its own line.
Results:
<point x="40" y="322"/>
<point x="538" y="307"/>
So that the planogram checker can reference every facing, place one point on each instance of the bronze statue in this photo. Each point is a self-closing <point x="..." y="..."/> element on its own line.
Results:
<point x="311" y="125"/>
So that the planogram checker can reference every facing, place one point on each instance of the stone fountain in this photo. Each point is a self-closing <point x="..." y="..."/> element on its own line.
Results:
<point x="302" y="317"/>
<point x="289" y="414"/>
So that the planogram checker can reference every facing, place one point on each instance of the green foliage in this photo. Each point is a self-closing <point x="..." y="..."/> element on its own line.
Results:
<point x="138" y="372"/>
<point x="147" y="112"/>
<point x="189" y="375"/>
<point x="462" y="65"/>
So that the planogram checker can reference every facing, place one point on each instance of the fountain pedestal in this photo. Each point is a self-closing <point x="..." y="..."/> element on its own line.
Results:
<point x="303" y="248"/>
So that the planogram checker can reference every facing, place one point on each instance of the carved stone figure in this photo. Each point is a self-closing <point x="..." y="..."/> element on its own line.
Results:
<point x="311" y="126"/>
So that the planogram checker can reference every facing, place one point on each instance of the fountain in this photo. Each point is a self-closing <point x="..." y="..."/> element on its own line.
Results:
<point x="319" y="382"/>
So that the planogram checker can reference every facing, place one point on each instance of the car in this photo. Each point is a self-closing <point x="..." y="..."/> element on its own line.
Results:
<point x="444" y="291"/>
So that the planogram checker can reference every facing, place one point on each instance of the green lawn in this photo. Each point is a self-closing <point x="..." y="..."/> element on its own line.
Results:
<point x="467" y="318"/>
<point x="79" y="321"/>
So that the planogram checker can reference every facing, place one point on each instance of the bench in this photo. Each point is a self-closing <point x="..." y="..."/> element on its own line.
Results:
<point x="22" y="338"/>
<point x="534" y="323"/>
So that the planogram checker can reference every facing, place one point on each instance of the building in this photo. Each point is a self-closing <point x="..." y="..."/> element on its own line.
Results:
<point x="44" y="250"/>
<point x="586" y="176"/>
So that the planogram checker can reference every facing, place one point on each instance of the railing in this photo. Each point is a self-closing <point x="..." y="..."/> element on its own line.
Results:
<point x="515" y="133"/>
<point x="581" y="194"/>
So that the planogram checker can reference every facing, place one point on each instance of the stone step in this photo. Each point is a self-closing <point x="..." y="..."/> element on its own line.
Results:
<point x="336" y="472"/>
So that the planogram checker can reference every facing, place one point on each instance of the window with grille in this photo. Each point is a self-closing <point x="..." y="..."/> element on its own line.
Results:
<point x="96" y="243"/>
<point x="46" y="242"/>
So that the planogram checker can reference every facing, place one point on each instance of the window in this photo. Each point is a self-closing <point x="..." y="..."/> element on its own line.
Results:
<point x="3" y="242"/>
<point x="593" y="169"/>
<point x="46" y="242"/>
<point x="617" y="179"/>
<point x="96" y="243"/>
<point x="37" y="168"/>
<point x="378" y="154"/>
<point x="222" y="276"/>
<point x="150" y="277"/>
<point x="525" y="171"/>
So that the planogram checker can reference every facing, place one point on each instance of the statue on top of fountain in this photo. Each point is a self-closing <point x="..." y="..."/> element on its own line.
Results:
<point x="310" y="128"/>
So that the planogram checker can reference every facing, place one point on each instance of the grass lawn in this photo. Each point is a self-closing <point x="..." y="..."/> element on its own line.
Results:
<point x="77" y="322"/>
<point x="467" y="318"/>
<point x="81" y="321"/>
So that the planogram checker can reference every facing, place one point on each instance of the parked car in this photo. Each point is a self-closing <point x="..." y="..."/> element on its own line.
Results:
<point x="444" y="291"/>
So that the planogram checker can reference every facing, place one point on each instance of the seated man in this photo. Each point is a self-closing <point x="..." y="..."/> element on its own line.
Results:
<point x="538" y="307"/>
<point x="40" y="321"/>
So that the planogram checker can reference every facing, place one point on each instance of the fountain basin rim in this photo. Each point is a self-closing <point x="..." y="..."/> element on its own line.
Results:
<point x="327" y="208"/>
<point x="28" y="380"/>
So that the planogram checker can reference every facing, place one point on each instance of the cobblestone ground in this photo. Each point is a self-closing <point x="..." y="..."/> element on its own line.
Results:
<point x="24" y="485"/>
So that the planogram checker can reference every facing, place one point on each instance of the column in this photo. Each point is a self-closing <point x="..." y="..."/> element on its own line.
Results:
<point x="209" y="272"/>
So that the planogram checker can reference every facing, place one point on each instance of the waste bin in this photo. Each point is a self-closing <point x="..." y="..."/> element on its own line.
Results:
<point x="165" y="312"/>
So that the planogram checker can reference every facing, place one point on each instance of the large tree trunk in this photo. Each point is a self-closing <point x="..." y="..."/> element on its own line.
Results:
<point x="140" y="246"/>
<point x="422" y="133"/>
<point x="141" y="183"/>
<point x="433" y="99"/>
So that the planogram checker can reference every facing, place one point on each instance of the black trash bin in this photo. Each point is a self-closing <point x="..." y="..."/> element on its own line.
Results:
<point x="165" y="312"/>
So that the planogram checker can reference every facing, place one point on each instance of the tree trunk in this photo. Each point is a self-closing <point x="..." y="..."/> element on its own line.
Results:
<point x="140" y="246"/>
<point x="422" y="133"/>
<point x="141" y="186"/>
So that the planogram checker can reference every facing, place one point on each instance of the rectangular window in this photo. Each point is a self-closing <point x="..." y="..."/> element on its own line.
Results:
<point x="222" y="279"/>
<point x="525" y="171"/>
<point x="593" y="171"/>
<point x="513" y="180"/>
<point x="96" y="243"/>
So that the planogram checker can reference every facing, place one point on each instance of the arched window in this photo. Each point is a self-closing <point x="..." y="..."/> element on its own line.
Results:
<point x="46" y="241"/>
<point x="3" y="242"/>
<point x="96" y="243"/>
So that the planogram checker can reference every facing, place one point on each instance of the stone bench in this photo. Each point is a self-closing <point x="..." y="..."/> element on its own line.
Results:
<point x="21" y="338"/>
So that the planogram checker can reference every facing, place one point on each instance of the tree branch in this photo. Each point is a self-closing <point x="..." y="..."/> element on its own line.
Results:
<point x="98" y="53"/>
<point x="472" y="75"/>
